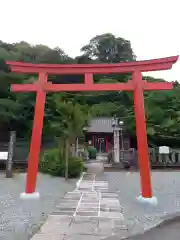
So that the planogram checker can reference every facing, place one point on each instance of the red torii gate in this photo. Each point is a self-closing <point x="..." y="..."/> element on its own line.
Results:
<point x="136" y="84"/>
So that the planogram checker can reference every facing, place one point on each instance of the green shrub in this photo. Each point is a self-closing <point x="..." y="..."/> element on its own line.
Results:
<point x="75" y="167"/>
<point x="53" y="163"/>
<point x="92" y="152"/>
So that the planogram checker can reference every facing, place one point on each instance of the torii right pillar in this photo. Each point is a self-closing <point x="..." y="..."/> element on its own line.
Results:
<point x="143" y="156"/>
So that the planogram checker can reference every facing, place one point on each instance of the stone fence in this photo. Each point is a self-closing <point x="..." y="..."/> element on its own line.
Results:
<point x="164" y="160"/>
<point x="156" y="159"/>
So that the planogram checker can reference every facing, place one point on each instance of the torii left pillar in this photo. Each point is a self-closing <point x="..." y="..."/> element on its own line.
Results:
<point x="36" y="140"/>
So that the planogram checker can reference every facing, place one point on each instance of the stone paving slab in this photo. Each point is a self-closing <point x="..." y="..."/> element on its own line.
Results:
<point x="134" y="217"/>
<point x="83" y="236"/>
<point x="89" y="212"/>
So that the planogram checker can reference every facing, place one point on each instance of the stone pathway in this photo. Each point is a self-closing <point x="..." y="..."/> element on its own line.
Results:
<point x="89" y="212"/>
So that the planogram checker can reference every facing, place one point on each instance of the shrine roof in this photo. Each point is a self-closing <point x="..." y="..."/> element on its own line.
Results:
<point x="100" y="125"/>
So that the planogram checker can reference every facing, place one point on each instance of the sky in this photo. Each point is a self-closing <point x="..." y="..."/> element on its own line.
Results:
<point x="152" y="26"/>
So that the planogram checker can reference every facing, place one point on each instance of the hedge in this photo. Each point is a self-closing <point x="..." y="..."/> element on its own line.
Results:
<point x="53" y="163"/>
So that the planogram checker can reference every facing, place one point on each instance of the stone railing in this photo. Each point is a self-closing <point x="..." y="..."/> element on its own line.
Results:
<point x="130" y="157"/>
<point x="164" y="160"/>
<point x="156" y="159"/>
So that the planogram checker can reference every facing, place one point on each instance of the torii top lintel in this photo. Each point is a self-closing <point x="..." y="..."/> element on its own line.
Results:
<point x="125" y="67"/>
<point x="88" y="70"/>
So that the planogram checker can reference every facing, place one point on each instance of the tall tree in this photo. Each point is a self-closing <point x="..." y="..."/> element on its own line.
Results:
<point x="109" y="49"/>
<point x="67" y="121"/>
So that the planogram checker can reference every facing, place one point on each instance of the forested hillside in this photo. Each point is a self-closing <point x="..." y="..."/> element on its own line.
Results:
<point x="16" y="109"/>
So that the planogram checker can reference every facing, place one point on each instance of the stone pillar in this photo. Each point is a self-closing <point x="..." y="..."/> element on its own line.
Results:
<point x="9" y="162"/>
<point x="77" y="147"/>
<point x="117" y="142"/>
<point x="116" y="145"/>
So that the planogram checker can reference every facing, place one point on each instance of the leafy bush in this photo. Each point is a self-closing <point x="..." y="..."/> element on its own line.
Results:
<point x="76" y="167"/>
<point x="92" y="152"/>
<point x="53" y="163"/>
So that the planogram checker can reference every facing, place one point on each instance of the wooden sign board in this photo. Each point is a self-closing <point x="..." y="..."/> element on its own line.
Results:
<point x="3" y="156"/>
<point x="164" y="150"/>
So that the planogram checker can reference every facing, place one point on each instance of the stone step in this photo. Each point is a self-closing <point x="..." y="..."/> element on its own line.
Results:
<point x="108" y="165"/>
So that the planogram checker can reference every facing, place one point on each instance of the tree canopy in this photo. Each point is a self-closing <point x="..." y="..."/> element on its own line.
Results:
<point x="107" y="48"/>
<point x="16" y="110"/>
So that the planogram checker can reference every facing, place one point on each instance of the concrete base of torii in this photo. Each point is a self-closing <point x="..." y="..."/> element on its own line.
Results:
<point x="151" y="201"/>
<point x="34" y="195"/>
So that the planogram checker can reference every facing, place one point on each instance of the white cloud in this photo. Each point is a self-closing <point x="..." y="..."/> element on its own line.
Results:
<point x="151" y="26"/>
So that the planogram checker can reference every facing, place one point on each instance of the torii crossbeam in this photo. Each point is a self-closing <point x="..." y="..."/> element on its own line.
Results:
<point x="137" y="85"/>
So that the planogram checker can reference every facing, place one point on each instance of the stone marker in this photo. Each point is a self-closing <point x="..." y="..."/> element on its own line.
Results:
<point x="9" y="162"/>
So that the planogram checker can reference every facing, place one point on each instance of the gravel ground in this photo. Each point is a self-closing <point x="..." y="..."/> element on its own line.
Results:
<point x="20" y="219"/>
<point x="138" y="217"/>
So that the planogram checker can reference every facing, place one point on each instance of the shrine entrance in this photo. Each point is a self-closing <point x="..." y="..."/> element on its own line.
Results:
<point x="137" y="85"/>
<point x="100" y="143"/>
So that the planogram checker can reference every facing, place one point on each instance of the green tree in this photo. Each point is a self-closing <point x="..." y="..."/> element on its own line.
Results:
<point x="17" y="109"/>
<point x="68" y="121"/>
<point x="109" y="49"/>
